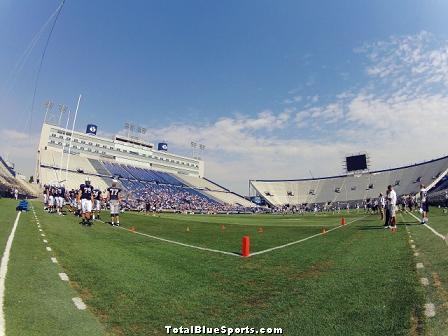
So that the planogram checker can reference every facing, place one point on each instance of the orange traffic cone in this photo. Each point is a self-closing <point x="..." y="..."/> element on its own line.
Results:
<point x="132" y="229"/>
<point x="223" y="227"/>
<point x="343" y="222"/>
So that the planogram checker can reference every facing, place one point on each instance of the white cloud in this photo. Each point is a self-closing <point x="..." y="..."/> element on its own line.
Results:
<point x="398" y="116"/>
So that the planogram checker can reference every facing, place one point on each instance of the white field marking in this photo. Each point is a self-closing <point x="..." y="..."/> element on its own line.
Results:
<point x="63" y="276"/>
<point x="45" y="241"/>
<point x="430" y="310"/>
<point x="48" y="248"/>
<point x="3" y="271"/>
<point x="416" y="254"/>
<point x="179" y="243"/>
<point x="79" y="303"/>
<point x="420" y="265"/>
<point x="43" y="235"/>
<point x="429" y="227"/>
<point x="304" y="239"/>
<point x="411" y="241"/>
<point x="54" y="260"/>
<point x="424" y="281"/>
<point x="40" y="230"/>
<point x="413" y="246"/>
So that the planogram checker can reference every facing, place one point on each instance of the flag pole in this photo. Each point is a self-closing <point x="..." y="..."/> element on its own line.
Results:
<point x="71" y="137"/>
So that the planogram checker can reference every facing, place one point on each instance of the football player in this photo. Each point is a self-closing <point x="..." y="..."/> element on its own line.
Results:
<point x="113" y="196"/>
<point x="85" y="197"/>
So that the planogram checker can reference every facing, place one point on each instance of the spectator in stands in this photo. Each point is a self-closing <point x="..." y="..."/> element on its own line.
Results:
<point x="424" y="206"/>
<point x="446" y="198"/>
<point x="16" y="194"/>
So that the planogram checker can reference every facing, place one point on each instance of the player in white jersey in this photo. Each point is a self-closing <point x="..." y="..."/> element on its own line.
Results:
<point x="113" y="196"/>
<point x="392" y="197"/>
<point x="424" y="206"/>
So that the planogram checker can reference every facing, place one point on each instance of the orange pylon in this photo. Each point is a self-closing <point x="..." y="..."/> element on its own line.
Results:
<point x="223" y="227"/>
<point x="260" y="230"/>
<point x="343" y="222"/>
<point x="132" y="229"/>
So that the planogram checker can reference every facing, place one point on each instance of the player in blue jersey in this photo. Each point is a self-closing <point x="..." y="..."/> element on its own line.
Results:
<point x="113" y="196"/>
<point x="97" y="203"/>
<point x="60" y="198"/>
<point x="85" y="197"/>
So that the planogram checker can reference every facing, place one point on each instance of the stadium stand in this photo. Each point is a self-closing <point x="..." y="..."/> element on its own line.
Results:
<point x="10" y="180"/>
<point x="133" y="179"/>
<point x="352" y="187"/>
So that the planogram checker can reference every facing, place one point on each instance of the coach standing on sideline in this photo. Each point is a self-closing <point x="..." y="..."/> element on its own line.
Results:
<point x="424" y="206"/>
<point x="387" y="210"/>
<point x="392" y="197"/>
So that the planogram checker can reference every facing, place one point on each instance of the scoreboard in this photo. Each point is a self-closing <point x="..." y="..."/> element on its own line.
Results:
<point x="356" y="162"/>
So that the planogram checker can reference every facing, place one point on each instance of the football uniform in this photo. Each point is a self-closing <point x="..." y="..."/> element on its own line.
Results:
<point x="114" y="200"/>
<point x="97" y="198"/>
<point x="51" y="196"/>
<point x="86" y="197"/>
<point x="60" y="193"/>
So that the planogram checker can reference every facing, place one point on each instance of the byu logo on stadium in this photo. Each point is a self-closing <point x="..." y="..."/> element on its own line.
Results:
<point x="91" y="129"/>
<point x="163" y="146"/>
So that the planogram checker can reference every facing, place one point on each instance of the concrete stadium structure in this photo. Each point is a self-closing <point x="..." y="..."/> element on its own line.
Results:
<point x="69" y="157"/>
<point x="351" y="187"/>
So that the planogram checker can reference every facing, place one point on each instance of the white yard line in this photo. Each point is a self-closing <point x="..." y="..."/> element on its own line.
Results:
<point x="304" y="239"/>
<point x="179" y="243"/>
<point x="427" y="226"/>
<point x="236" y="254"/>
<point x="3" y="271"/>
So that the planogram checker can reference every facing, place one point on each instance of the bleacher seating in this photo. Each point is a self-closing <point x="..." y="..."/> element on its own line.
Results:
<point x="133" y="178"/>
<point x="406" y="180"/>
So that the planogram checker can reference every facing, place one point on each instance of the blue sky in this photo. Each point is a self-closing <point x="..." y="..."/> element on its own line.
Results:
<point x="272" y="88"/>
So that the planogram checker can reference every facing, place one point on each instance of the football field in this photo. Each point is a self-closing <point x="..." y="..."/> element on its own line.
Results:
<point x="306" y="274"/>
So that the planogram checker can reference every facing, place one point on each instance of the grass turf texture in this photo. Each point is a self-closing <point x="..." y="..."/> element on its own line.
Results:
<point x="433" y="253"/>
<point x="37" y="302"/>
<point x="358" y="280"/>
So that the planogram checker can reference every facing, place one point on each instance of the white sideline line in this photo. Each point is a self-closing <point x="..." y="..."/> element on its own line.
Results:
<point x="179" y="243"/>
<point x="304" y="239"/>
<point x="63" y="276"/>
<point x="54" y="260"/>
<point x="424" y="281"/>
<point x="3" y="271"/>
<point x="430" y="310"/>
<point x="183" y="244"/>
<point x="79" y="303"/>
<point x="45" y="241"/>
<point x="48" y="248"/>
<point x="433" y="231"/>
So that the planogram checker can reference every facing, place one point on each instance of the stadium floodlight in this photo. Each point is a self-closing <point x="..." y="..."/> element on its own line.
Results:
<point x="48" y="106"/>
<point x="62" y="109"/>
<point x="193" y="147"/>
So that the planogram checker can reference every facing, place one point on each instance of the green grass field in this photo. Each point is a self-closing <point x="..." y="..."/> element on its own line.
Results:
<point x="356" y="280"/>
